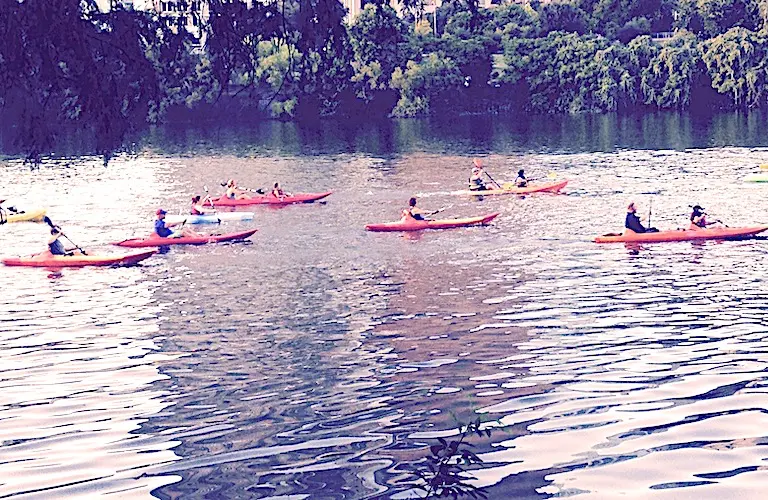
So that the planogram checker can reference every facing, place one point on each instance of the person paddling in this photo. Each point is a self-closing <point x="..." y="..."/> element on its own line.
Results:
<point x="55" y="246"/>
<point x="235" y="193"/>
<point x="476" y="182"/>
<point x="278" y="192"/>
<point x="4" y="211"/>
<point x="162" y="229"/>
<point x="197" y="206"/>
<point x="699" y="218"/>
<point x="520" y="180"/>
<point x="632" y="221"/>
<point x="413" y="211"/>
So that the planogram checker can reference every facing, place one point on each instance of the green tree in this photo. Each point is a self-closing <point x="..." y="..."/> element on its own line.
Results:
<point x="737" y="62"/>
<point x="721" y="15"/>
<point x="668" y="78"/>
<point x="377" y="37"/>
<point x="562" y="17"/>
<point x="85" y="70"/>
<point x="422" y="83"/>
<point x="567" y="72"/>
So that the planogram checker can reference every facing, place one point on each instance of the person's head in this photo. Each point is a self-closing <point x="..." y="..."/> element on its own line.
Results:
<point x="196" y="199"/>
<point x="160" y="213"/>
<point x="521" y="172"/>
<point x="277" y="185"/>
<point x="231" y="183"/>
<point x="412" y="202"/>
<point x="698" y="210"/>
<point x="55" y="231"/>
<point x="631" y="207"/>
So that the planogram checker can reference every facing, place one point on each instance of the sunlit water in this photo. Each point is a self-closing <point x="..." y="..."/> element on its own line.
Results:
<point x="318" y="360"/>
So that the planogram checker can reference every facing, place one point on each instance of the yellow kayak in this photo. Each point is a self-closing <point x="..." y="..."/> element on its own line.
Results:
<point x="29" y="215"/>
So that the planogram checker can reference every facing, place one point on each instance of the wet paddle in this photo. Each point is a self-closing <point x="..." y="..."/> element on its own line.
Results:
<point x="48" y="221"/>
<point x="650" y="206"/>
<point x="430" y="214"/>
<point x="208" y="198"/>
<point x="493" y="180"/>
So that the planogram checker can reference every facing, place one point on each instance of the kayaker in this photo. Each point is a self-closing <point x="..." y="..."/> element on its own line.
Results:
<point x="278" y="192"/>
<point x="162" y="229"/>
<point x="55" y="246"/>
<point x="632" y="222"/>
<point x="4" y="211"/>
<point x="197" y="206"/>
<point x="520" y="180"/>
<point x="476" y="182"/>
<point x="413" y="211"/>
<point x="699" y="218"/>
<point x="235" y="193"/>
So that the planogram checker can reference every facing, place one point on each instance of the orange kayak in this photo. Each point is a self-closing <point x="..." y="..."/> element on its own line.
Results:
<point x="45" y="259"/>
<point x="716" y="233"/>
<point x="552" y="187"/>
<point x="419" y="225"/>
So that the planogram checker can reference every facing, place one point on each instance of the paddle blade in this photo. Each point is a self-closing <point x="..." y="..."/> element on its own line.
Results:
<point x="508" y="185"/>
<point x="552" y="175"/>
<point x="764" y="166"/>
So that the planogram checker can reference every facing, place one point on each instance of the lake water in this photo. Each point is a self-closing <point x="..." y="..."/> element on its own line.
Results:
<point x="320" y="361"/>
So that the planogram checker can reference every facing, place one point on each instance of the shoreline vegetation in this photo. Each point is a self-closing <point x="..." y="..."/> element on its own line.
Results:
<point x="67" y="67"/>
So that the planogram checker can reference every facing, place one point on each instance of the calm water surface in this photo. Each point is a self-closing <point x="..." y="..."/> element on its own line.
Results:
<point x="319" y="361"/>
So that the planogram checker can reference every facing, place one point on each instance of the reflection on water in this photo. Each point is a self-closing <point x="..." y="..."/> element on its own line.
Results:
<point x="318" y="360"/>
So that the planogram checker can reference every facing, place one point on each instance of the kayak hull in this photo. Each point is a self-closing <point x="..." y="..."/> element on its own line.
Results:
<point x="29" y="215"/>
<point x="759" y="177"/>
<point x="553" y="187"/>
<point x="53" y="261"/>
<point x="156" y="241"/>
<point x="271" y="200"/>
<point x="420" y="225"/>
<point x="209" y="218"/>
<point x="719" y="233"/>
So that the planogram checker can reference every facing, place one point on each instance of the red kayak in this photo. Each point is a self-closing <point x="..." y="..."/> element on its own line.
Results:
<point x="410" y="224"/>
<point x="157" y="241"/>
<point x="46" y="259"/>
<point x="270" y="199"/>
<point x="716" y="233"/>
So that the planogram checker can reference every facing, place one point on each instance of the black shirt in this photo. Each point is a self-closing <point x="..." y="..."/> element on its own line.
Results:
<point x="633" y="222"/>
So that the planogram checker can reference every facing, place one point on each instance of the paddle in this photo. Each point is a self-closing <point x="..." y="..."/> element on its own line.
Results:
<point x="493" y="180"/>
<point x="512" y="185"/>
<point x="259" y="191"/>
<point x="48" y="221"/>
<point x="650" y="206"/>
<point x="430" y="214"/>
<point x="208" y="197"/>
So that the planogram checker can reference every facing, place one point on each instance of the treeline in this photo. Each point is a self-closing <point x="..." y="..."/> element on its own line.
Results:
<point x="67" y="65"/>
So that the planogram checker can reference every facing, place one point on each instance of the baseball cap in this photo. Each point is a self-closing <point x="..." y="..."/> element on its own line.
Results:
<point x="160" y="211"/>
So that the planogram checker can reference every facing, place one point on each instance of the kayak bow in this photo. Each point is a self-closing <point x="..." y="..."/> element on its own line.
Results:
<point x="419" y="225"/>
<point x="157" y="241"/>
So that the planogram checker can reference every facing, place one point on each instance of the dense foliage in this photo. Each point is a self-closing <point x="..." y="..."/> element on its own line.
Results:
<point x="66" y="65"/>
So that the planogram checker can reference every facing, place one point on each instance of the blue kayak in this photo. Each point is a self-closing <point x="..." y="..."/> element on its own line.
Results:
<point x="212" y="218"/>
